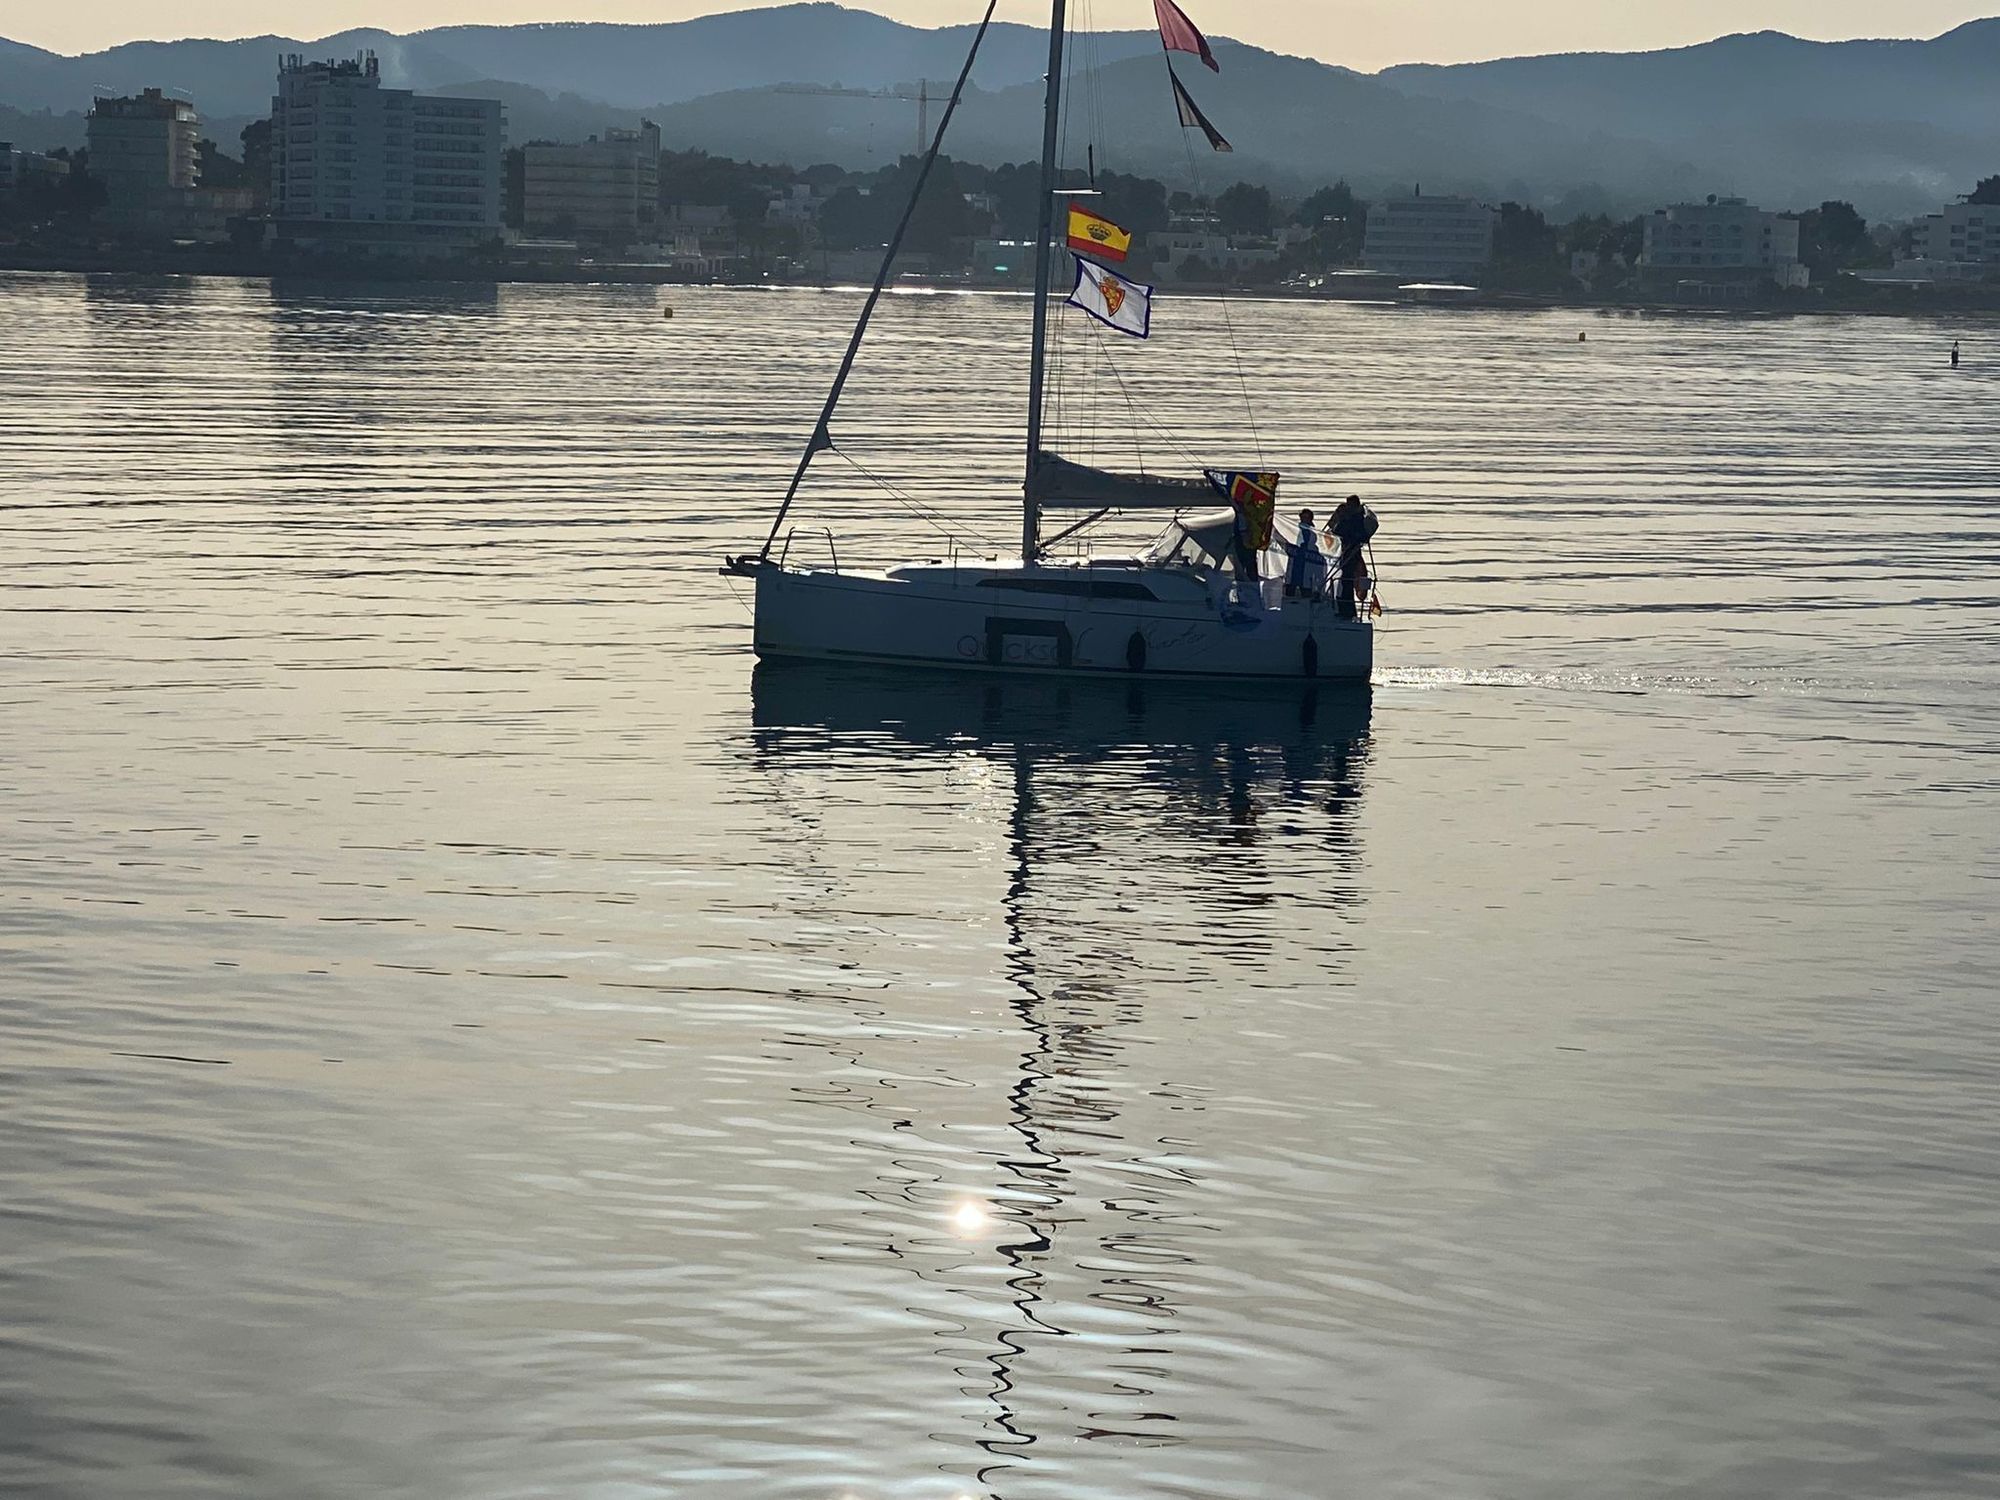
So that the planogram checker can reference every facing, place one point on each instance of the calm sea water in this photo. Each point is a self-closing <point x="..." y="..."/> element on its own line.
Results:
<point x="463" y="1034"/>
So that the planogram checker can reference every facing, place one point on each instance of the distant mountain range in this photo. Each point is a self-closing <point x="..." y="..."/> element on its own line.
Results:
<point x="1896" y="126"/>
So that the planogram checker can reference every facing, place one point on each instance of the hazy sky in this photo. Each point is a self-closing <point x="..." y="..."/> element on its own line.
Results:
<point x="1357" y="33"/>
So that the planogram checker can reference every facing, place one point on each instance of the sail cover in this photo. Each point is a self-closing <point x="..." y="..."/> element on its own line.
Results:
<point x="1058" y="482"/>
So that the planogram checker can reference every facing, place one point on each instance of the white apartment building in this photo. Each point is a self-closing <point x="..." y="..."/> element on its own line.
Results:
<point x="1203" y="246"/>
<point x="1968" y="233"/>
<point x="1723" y="234"/>
<point x="798" y="206"/>
<point x="1429" y="238"/>
<point x="142" y="149"/>
<point x="355" y="166"/>
<point x="606" y="190"/>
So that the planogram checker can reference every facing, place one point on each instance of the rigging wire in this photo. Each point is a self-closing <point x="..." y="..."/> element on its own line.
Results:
<point x="1172" y="438"/>
<point x="1057" y="342"/>
<point x="1084" y="109"/>
<point x="821" y="437"/>
<point x="1228" y="323"/>
<point x="930" y="517"/>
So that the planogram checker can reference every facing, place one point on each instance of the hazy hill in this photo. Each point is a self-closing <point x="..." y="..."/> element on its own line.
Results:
<point x="1900" y="122"/>
<point x="623" y="65"/>
<point x="41" y="130"/>
<point x="816" y="43"/>
<point x="1293" y="122"/>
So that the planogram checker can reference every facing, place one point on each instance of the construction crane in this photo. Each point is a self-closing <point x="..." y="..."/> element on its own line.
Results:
<point x="921" y="96"/>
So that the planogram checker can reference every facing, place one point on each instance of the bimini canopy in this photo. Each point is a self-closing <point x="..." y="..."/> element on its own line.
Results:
<point x="1058" y="482"/>
<point x="1206" y="536"/>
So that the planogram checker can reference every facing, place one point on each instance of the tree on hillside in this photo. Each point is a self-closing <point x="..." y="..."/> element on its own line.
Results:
<point x="1834" y="238"/>
<point x="256" y="141"/>
<point x="1135" y="203"/>
<point x="1338" y="220"/>
<point x="852" y="218"/>
<point x="1988" y="191"/>
<point x="1608" y="237"/>
<point x="215" y="170"/>
<point x="1016" y="189"/>
<point x="64" y="203"/>
<point x="1527" y="250"/>
<point x="1245" y="208"/>
<point x="514" y="186"/>
<point x="1523" y="236"/>
<point x="942" y="214"/>
<point x="745" y="188"/>
<point x="865" y="214"/>
<point x="1336" y="202"/>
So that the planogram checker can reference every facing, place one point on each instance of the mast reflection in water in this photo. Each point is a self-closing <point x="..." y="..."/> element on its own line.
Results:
<point x="1162" y="851"/>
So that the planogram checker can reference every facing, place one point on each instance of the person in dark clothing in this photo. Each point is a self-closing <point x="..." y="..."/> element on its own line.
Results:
<point x="1954" y="354"/>
<point x="1349" y="529"/>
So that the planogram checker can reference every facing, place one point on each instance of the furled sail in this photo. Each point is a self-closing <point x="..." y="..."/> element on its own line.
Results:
<point x="1058" y="482"/>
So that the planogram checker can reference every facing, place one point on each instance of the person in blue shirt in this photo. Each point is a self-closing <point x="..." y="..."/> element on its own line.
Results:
<point x="1306" y="578"/>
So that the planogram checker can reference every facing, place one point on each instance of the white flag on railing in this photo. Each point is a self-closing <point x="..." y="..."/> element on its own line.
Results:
<point x="1108" y="297"/>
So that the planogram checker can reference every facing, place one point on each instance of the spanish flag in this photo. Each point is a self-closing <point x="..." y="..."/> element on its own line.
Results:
<point x="1099" y="238"/>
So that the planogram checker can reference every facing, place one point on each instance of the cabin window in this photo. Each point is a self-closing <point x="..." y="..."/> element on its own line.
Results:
<point x="1075" y="588"/>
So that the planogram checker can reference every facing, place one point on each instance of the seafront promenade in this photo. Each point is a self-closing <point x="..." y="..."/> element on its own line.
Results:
<point x="1974" y="299"/>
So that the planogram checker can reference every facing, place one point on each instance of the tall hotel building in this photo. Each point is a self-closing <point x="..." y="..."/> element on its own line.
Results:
<point x="357" y="167"/>
<point x="142" y="149"/>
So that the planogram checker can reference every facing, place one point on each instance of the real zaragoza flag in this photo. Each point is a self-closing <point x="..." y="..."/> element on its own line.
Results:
<point x="1108" y="297"/>
<point x="1091" y="235"/>
<point x="1255" y="496"/>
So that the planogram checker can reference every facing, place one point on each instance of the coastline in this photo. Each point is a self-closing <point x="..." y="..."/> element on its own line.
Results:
<point x="1977" y="300"/>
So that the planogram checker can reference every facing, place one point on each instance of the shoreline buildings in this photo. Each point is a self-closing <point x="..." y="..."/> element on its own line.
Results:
<point x="20" y="169"/>
<point x="1429" y="238"/>
<point x="1963" y="234"/>
<point x="1723" y="239"/>
<point x="143" y="148"/>
<point x="357" y="168"/>
<point x="604" y="190"/>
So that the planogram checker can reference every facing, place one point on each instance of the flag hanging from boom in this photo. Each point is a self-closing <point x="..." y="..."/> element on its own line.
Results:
<point x="1190" y="115"/>
<point x="1178" y="34"/>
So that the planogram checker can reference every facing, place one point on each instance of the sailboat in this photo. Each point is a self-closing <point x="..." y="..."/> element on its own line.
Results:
<point x="1207" y="599"/>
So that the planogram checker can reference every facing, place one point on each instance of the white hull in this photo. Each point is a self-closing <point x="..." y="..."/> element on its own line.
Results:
<point x="1083" y="619"/>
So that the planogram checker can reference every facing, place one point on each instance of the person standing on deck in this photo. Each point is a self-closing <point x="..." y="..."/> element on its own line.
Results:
<point x="1306" y="578"/>
<point x="1351" y="527"/>
<point x="1954" y="354"/>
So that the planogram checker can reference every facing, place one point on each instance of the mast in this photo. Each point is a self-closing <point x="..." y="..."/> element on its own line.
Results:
<point x="1044" y="226"/>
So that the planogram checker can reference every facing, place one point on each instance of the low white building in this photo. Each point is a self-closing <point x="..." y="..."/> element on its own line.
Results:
<point x="1198" y="250"/>
<point x="1011" y="261"/>
<point x="1964" y="232"/>
<point x="797" y="206"/>
<point x="1430" y="238"/>
<point x="1722" y="235"/>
